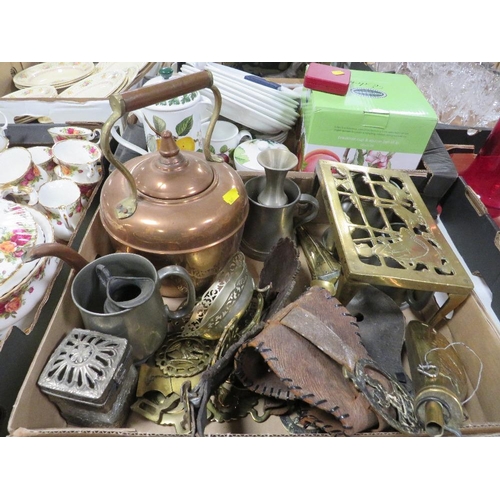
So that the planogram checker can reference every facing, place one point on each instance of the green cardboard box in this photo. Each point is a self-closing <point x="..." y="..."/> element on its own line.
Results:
<point x="383" y="121"/>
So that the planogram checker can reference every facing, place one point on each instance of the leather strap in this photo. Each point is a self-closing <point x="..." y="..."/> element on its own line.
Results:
<point x="301" y="354"/>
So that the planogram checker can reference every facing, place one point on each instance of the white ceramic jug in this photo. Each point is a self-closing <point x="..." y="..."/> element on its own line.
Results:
<point x="182" y="116"/>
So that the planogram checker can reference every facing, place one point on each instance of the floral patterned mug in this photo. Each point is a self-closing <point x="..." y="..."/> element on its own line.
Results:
<point x="19" y="176"/>
<point x="61" y="201"/>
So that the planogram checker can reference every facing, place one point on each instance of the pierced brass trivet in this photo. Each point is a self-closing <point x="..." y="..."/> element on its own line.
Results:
<point x="385" y="235"/>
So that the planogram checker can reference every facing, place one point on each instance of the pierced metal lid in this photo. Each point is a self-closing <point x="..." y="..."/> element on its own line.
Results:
<point x="84" y="366"/>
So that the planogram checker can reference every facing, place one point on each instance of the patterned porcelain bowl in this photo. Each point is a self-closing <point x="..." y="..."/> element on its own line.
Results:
<point x="28" y="228"/>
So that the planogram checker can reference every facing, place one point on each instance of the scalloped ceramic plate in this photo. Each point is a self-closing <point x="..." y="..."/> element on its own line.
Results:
<point x="18" y="233"/>
<point x="99" y="85"/>
<point x="57" y="74"/>
<point x="35" y="92"/>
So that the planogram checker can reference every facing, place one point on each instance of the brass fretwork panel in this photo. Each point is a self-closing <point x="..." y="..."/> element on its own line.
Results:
<point x="384" y="233"/>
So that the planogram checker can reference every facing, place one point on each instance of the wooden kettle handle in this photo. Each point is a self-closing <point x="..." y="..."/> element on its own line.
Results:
<point x="153" y="94"/>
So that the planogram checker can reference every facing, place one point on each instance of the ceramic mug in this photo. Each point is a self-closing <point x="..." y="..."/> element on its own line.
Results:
<point x="63" y="133"/>
<point x="42" y="157"/>
<point x="84" y="183"/>
<point x="61" y="201"/>
<point x="77" y="155"/>
<point x="225" y="137"/>
<point x="18" y="175"/>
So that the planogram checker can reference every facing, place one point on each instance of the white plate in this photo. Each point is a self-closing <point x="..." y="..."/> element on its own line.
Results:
<point x="37" y="91"/>
<point x="131" y="69"/>
<point x="25" y="314"/>
<point x="124" y="66"/>
<point x="102" y="84"/>
<point x="246" y="116"/>
<point x="57" y="74"/>
<point x="238" y="77"/>
<point x="265" y="104"/>
<point x="238" y="74"/>
<point x="255" y="104"/>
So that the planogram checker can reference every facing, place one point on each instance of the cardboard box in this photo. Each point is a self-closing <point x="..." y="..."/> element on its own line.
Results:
<point x="55" y="110"/>
<point x="34" y="415"/>
<point x="475" y="233"/>
<point x="383" y="121"/>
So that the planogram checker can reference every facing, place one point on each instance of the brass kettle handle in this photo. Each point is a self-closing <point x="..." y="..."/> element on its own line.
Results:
<point x="131" y="100"/>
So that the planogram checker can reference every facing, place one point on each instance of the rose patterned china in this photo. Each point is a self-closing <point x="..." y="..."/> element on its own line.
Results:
<point x="17" y="238"/>
<point x="61" y="201"/>
<point x="18" y="233"/>
<point x="85" y="184"/>
<point x="78" y="156"/>
<point x="19" y="175"/>
<point x="101" y="84"/>
<point x="57" y="74"/>
<point x="17" y="306"/>
<point x="63" y="133"/>
<point x="41" y="155"/>
<point x="33" y="92"/>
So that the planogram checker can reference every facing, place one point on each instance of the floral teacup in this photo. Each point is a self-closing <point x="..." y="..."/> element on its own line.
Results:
<point x="61" y="201"/>
<point x="77" y="155"/>
<point x="18" y="175"/>
<point x="84" y="183"/>
<point x="63" y="133"/>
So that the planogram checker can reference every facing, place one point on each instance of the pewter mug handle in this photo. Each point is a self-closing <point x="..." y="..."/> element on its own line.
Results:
<point x="311" y="211"/>
<point x="189" y="303"/>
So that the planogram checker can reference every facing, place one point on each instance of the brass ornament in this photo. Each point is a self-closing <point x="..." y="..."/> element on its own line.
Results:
<point x="385" y="235"/>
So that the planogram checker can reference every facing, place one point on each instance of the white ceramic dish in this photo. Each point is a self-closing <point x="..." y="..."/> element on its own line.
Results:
<point x="21" y="279"/>
<point x="23" y="311"/>
<point x="251" y="93"/>
<point x="250" y="97"/>
<point x="18" y="233"/>
<point x="248" y="117"/>
<point x="99" y="85"/>
<point x="262" y="99"/>
<point x="33" y="92"/>
<point x="245" y="155"/>
<point x="238" y="74"/>
<point x="239" y="98"/>
<point x="255" y="104"/>
<point x="57" y="74"/>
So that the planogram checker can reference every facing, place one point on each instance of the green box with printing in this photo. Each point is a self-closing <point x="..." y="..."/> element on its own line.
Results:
<point x="383" y="121"/>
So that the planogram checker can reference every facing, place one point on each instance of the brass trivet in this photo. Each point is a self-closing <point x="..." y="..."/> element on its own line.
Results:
<point x="385" y="235"/>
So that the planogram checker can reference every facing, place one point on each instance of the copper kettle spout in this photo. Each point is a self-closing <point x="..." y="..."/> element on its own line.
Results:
<point x="63" y="252"/>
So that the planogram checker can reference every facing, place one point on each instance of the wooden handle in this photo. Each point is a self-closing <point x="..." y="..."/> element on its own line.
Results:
<point x="153" y="94"/>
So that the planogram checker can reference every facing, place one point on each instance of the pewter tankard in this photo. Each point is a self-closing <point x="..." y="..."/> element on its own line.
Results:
<point x="265" y="225"/>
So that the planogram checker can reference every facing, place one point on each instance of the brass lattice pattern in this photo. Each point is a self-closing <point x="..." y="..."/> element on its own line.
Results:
<point x="384" y="233"/>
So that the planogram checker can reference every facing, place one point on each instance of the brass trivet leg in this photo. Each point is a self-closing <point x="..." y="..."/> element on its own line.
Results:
<point x="454" y="300"/>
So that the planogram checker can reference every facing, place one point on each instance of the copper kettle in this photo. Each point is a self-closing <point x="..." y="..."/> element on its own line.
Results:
<point x="183" y="208"/>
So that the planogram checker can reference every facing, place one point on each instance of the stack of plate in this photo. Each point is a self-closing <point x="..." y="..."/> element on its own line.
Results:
<point x="98" y="85"/>
<point x="250" y="101"/>
<point x="57" y="74"/>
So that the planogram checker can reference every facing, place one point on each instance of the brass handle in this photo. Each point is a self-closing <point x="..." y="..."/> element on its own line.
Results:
<point x="146" y="96"/>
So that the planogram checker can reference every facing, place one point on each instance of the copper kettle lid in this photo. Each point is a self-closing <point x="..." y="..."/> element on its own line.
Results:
<point x="170" y="175"/>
